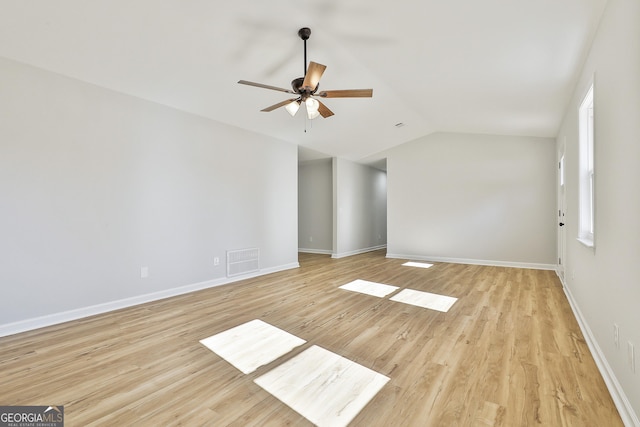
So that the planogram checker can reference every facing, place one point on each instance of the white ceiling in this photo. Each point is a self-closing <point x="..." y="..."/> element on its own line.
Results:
<point x="493" y="66"/>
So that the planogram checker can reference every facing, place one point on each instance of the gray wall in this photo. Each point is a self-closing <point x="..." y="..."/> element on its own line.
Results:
<point x="95" y="185"/>
<point x="315" y="206"/>
<point x="359" y="209"/>
<point x="604" y="282"/>
<point x="473" y="198"/>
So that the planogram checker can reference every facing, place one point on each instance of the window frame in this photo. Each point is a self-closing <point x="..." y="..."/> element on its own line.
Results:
<point x="586" y="168"/>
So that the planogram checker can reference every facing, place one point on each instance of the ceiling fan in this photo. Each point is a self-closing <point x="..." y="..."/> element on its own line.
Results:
<point x="306" y="88"/>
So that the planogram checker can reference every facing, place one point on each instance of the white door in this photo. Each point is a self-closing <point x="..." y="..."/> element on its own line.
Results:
<point x="561" y="214"/>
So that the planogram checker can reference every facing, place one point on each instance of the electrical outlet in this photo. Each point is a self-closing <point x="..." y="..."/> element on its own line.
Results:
<point x="216" y="261"/>
<point x="632" y="356"/>
<point x="144" y="272"/>
<point x="616" y="335"/>
<point x="311" y="238"/>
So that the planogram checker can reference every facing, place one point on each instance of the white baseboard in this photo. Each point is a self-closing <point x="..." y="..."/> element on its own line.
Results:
<point x="493" y="263"/>
<point x="79" y="313"/>
<point x="315" y="251"/>
<point x="628" y="415"/>
<point x="357" y="251"/>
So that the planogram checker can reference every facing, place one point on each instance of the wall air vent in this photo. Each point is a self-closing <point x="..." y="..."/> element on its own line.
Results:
<point x="243" y="261"/>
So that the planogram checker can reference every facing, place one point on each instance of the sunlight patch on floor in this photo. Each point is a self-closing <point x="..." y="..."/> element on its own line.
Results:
<point x="417" y="264"/>
<point x="425" y="299"/>
<point x="325" y="388"/>
<point x="370" y="288"/>
<point x="252" y="344"/>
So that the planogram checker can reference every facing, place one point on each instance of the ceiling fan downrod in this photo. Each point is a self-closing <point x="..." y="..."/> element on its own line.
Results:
<point x="304" y="34"/>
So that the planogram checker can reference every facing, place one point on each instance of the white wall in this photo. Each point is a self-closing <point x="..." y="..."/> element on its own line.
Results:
<point x="95" y="184"/>
<point x="359" y="208"/>
<point x="473" y="198"/>
<point x="315" y="206"/>
<point x="604" y="283"/>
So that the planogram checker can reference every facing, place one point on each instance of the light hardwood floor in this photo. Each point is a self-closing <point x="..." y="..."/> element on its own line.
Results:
<point x="508" y="353"/>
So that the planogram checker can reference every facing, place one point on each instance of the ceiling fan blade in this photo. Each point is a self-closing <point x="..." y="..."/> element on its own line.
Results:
<point x="279" y="104"/>
<point x="244" y="82"/>
<point x="323" y="110"/>
<point x="346" y="93"/>
<point x="312" y="78"/>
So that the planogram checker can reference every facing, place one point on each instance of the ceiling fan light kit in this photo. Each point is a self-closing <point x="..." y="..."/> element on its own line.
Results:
<point x="312" y="108"/>
<point x="307" y="88"/>
<point x="293" y="107"/>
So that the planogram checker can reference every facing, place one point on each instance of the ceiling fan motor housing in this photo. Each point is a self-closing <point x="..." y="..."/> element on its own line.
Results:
<point x="296" y="85"/>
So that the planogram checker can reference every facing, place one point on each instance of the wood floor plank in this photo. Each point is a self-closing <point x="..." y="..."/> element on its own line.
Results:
<point x="508" y="353"/>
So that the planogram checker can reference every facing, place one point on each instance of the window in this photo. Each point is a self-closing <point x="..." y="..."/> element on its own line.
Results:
<point x="587" y="176"/>
<point x="561" y="174"/>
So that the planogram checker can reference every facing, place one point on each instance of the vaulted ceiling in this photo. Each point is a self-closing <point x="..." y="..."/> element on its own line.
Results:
<point x="494" y="66"/>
